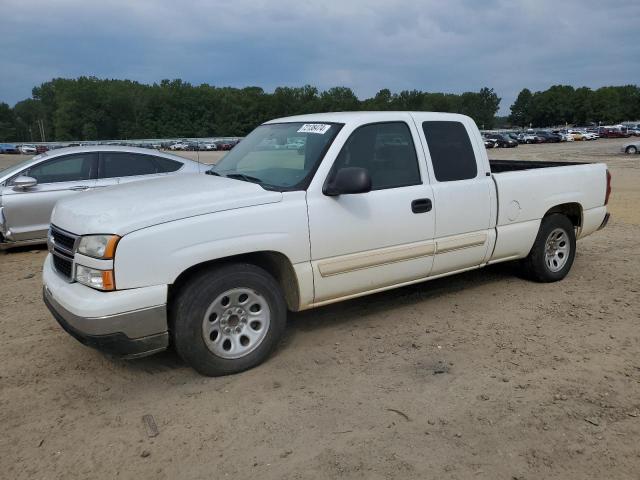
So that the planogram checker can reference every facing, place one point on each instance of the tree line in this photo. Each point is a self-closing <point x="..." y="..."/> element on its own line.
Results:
<point x="88" y="108"/>
<point x="563" y="104"/>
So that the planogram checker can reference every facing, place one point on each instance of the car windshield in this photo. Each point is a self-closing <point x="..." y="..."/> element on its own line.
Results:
<point x="279" y="156"/>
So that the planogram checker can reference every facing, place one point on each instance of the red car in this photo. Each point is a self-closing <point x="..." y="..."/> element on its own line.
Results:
<point x="613" y="132"/>
<point x="41" y="149"/>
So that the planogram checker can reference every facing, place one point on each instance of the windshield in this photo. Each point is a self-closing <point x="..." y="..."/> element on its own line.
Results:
<point x="279" y="156"/>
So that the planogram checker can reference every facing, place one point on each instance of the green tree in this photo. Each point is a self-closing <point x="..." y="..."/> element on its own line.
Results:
<point x="520" y="110"/>
<point x="7" y="123"/>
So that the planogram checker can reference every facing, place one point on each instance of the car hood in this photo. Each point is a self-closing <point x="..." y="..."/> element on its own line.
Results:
<point x="122" y="209"/>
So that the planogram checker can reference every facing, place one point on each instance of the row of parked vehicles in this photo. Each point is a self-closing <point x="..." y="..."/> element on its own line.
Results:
<point x="187" y="145"/>
<point x="513" y="139"/>
<point x="173" y="145"/>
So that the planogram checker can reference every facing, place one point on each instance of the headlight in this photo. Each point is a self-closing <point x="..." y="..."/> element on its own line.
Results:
<point x="99" y="279"/>
<point x="98" y="246"/>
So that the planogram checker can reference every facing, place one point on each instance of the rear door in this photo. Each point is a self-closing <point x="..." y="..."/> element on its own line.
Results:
<point x="123" y="167"/>
<point x="28" y="211"/>
<point x="463" y="193"/>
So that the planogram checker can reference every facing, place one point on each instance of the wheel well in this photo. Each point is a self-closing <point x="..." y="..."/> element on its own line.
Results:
<point x="275" y="263"/>
<point x="573" y="211"/>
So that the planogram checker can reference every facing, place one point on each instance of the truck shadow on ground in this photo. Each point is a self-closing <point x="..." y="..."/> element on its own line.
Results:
<point x="336" y="315"/>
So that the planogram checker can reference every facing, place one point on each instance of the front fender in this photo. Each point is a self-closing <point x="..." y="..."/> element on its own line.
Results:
<point x="157" y="255"/>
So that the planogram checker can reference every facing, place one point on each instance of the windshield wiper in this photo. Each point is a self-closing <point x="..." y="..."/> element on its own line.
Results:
<point x="242" y="176"/>
<point x="213" y="172"/>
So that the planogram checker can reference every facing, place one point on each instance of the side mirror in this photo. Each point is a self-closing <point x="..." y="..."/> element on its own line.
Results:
<point x="22" y="182"/>
<point x="348" y="180"/>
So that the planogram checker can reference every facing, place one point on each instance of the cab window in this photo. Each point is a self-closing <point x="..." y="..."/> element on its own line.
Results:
<point x="386" y="150"/>
<point x="451" y="151"/>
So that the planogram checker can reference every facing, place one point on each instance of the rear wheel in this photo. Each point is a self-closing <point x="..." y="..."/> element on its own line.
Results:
<point x="553" y="251"/>
<point x="631" y="149"/>
<point x="228" y="319"/>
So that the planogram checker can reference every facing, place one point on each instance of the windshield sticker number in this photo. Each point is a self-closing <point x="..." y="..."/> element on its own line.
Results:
<point x="320" y="128"/>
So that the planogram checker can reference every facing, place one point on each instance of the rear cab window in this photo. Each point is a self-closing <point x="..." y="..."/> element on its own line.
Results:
<point x="451" y="151"/>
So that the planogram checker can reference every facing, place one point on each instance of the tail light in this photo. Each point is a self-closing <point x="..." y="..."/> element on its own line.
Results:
<point x="606" y="197"/>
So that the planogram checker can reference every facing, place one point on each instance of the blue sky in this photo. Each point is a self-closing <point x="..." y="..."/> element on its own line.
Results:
<point x="430" y="45"/>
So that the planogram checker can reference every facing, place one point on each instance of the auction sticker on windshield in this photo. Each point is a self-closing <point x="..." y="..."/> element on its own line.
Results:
<point x="320" y="128"/>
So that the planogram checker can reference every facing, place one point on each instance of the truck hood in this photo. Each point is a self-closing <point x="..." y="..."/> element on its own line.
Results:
<point x="122" y="209"/>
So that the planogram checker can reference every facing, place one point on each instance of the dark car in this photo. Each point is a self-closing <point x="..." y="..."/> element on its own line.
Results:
<point x="224" y="145"/>
<point x="503" y="140"/>
<point x="549" y="137"/>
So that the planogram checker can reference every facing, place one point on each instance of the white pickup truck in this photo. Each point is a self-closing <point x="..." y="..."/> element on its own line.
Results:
<point x="210" y="264"/>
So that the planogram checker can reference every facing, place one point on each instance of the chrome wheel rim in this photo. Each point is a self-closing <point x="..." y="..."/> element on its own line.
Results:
<point x="557" y="249"/>
<point x="236" y="323"/>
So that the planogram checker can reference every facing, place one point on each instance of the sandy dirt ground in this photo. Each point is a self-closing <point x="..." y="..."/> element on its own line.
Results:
<point x="478" y="376"/>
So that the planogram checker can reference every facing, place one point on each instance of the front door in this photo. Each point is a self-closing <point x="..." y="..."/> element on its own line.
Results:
<point x="365" y="242"/>
<point x="28" y="211"/>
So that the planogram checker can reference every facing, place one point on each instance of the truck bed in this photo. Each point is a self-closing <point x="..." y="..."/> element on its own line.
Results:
<point x="499" y="166"/>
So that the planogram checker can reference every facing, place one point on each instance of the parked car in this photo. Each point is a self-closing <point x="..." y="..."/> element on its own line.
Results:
<point x="634" y="132"/>
<point x="210" y="264"/>
<point x="617" y="131"/>
<point x="8" y="148"/>
<point x="529" y="138"/>
<point x="578" y="135"/>
<point x="631" y="148"/>
<point x="179" y="146"/>
<point x="209" y="146"/>
<point x="503" y="140"/>
<point x="27" y="149"/>
<point x="41" y="149"/>
<point x="30" y="189"/>
<point x="513" y="136"/>
<point x="590" y="135"/>
<point x="548" y="137"/>
<point x="225" y="145"/>
<point x="489" y="142"/>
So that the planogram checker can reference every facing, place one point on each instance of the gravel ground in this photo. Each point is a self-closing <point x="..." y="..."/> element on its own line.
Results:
<point x="482" y="375"/>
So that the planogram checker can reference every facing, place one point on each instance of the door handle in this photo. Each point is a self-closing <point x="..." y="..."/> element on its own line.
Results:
<point x="79" y="188"/>
<point x="421" y="205"/>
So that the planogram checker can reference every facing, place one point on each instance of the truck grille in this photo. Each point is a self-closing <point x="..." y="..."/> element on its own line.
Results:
<point x="63" y="266"/>
<point x="62" y="247"/>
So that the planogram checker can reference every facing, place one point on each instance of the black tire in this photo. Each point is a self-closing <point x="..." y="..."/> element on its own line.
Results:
<point x="535" y="266"/>
<point x="631" y="150"/>
<point x="187" y="315"/>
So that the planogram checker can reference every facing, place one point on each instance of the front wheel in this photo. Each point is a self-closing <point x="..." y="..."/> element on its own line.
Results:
<point x="631" y="150"/>
<point x="228" y="319"/>
<point x="553" y="251"/>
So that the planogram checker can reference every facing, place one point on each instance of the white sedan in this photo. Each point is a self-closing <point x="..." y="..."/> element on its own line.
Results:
<point x="30" y="189"/>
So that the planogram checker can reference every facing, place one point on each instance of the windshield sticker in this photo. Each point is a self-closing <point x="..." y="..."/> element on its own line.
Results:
<point x="320" y="128"/>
